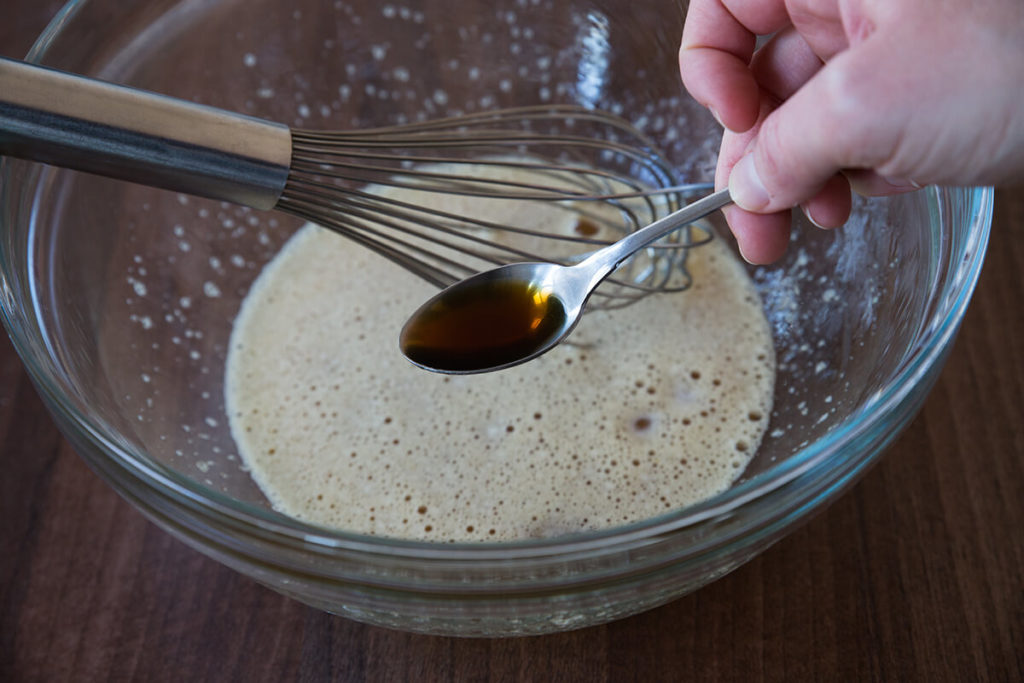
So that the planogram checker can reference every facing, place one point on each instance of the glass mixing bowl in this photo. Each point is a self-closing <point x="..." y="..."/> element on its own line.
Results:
<point x="120" y="299"/>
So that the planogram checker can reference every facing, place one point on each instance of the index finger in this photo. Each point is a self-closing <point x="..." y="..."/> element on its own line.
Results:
<point x="718" y="42"/>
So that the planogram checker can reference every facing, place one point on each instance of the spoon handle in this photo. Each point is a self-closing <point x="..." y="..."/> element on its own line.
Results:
<point x="606" y="260"/>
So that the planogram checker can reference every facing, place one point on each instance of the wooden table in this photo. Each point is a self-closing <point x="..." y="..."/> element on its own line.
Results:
<point x="915" y="574"/>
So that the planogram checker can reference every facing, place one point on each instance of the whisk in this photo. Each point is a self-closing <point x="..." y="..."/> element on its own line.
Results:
<point x="370" y="185"/>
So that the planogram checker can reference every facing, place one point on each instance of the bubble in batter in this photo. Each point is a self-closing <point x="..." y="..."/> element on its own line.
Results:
<point x="646" y="409"/>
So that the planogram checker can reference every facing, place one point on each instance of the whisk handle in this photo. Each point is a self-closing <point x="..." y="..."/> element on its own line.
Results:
<point x="89" y="125"/>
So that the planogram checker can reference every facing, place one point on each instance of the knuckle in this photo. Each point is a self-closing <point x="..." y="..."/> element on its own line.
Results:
<point x="776" y="162"/>
<point x="849" y="121"/>
<point x="770" y="147"/>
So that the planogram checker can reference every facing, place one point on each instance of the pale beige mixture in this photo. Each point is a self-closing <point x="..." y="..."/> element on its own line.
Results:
<point x="651" y="407"/>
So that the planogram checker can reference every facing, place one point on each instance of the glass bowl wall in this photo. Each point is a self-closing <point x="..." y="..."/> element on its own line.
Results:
<point x="120" y="298"/>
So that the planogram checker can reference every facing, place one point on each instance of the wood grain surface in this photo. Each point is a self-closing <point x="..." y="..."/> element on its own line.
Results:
<point x="914" y="575"/>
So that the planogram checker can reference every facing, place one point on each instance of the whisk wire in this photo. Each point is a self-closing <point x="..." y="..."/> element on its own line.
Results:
<point x="499" y="170"/>
<point x="441" y="198"/>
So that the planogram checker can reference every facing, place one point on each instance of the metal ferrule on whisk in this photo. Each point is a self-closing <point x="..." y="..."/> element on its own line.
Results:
<point x="116" y="131"/>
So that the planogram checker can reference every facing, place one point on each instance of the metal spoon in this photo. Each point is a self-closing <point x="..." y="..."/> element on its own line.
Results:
<point x="512" y="314"/>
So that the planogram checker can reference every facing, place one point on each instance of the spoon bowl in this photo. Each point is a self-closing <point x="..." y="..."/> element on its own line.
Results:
<point x="512" y="314"/>
<point x="496" y="319"/>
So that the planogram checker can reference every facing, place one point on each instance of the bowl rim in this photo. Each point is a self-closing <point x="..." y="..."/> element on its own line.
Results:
<point x="935" y="340"/>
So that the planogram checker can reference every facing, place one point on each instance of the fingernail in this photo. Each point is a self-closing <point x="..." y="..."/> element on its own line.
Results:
<point x="810" y="217"/>
<point x="717" y="117"/>
<point x="902" y="183"/>
<point x="745" y="186"/>
<point x="743" y="254"/>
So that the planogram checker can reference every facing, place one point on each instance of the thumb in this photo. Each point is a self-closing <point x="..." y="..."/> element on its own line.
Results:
<point x="828" y="125"/>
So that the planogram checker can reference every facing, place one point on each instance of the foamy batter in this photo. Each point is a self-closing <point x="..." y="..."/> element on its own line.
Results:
<point x="651" y="407"/>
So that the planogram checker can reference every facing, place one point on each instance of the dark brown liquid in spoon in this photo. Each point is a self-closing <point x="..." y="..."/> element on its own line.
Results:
<point x="485" y="326"/>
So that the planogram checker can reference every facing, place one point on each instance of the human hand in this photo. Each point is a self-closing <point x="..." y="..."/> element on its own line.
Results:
<point x="879" y="95"/>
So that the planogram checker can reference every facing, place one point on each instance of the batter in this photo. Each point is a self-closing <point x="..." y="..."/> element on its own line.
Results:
<point x="652" y="407"/>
